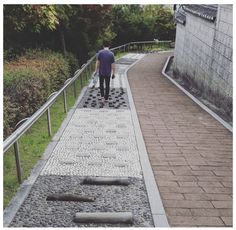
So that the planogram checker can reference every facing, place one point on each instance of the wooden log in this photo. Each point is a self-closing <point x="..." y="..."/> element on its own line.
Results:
<point x="69" y="197"/>
<point x="106" y="181"/>
<point x="104" y="217"/>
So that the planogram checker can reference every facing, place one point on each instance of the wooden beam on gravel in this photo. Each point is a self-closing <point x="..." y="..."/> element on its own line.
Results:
<point x="104" y="217"/>
<point x="106" y="181"/>
<point x="69" y="197"/>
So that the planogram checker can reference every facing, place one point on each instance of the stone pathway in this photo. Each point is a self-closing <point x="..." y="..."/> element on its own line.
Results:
<point x="99" y="140"/>
<point x="190" y="152"/>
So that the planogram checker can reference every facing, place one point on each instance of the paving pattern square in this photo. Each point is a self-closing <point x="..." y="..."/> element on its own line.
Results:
<point x="117" y="99"/>
<point x="91" y="135"/>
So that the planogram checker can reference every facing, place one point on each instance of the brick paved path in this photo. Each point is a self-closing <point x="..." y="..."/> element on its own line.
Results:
<point x="190" y="152"/>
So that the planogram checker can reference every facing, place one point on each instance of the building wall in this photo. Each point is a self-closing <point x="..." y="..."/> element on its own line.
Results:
<point x="222" y="52"/>
<point x="203" y="54"/>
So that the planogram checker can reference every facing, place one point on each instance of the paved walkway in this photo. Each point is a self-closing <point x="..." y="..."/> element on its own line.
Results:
<point x="190" y="152"/>
<point x="99" y="140"/>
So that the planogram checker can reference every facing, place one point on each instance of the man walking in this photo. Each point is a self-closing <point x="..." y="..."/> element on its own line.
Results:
<point x="105" y="65"/>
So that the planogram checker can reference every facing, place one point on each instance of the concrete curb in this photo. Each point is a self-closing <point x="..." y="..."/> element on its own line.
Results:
<point x="157" y="209"/>
<point x="23" y="191"/>
<point x="219" y="119"/>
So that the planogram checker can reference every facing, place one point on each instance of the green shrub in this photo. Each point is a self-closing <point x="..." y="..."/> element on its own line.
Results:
<point x="52" y="63"/>
<point x="73" y="63"/>
<point x="9" y="115"/>
<point x="9" y="54"/>
<point x="25" y="90"/>
<point x="29" y="80"/>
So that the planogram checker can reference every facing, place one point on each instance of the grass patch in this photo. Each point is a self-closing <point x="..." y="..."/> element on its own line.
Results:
<point x="120" y="54"/>
<point x="150" y="47"/>
<point x="157" y="47"/>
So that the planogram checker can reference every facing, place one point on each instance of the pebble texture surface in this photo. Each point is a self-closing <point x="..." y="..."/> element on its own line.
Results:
<point x="99" y="141"/>
<point x="96" y="143"/>
<point x="37" y="212"/>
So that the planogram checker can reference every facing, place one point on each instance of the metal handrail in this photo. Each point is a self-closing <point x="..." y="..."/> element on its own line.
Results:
<point x="31" y="120"/>
<point x="13" y="138"/>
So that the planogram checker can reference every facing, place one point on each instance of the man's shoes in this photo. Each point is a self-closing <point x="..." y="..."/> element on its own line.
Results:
<point x="105" y="100"/>
<point x="101" y="99"/>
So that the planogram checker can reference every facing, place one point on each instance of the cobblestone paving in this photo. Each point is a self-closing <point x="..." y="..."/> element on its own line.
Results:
<point x="190" y="152"/>
<point x="98" y="141"/>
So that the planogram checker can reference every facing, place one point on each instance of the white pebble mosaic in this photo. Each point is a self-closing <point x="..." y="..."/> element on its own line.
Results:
<point x="97" y="142"/>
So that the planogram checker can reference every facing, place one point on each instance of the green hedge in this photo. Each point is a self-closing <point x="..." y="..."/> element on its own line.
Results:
<point x="29" y="80"/>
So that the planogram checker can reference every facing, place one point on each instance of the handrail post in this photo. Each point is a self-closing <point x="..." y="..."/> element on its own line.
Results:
<point x="75" y="94"/>
<point x="65" y="103"/>
<point x="90" y="68"/>
<point x="81" y="81"/>
<point x="49" y="122"/>
<point x="86" y="74"/>
<point x="17" y="158"/>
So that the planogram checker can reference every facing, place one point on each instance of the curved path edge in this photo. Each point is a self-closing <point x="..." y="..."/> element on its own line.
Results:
<point x="219" y="119"/>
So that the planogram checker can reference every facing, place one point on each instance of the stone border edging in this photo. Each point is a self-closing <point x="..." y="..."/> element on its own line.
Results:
<point x="219" y="119"/>
<point x="24" y="189"/>
<point x="157" y="209"/>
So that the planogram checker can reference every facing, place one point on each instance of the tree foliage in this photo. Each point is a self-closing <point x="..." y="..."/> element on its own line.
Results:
<point x="139" y="23"/>
<point x="30" y="17"/>
<point x="77" y="29"/>
<point x="81" y="29"/>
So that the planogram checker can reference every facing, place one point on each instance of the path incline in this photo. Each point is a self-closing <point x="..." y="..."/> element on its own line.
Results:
<point x="97" y="144"/>
<point x="190" y="152"/>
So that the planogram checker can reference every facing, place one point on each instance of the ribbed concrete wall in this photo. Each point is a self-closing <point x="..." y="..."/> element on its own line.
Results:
<point x="203" y="54"/>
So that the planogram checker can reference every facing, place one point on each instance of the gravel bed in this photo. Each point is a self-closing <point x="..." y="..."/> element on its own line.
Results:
<point x="37" y="212"/>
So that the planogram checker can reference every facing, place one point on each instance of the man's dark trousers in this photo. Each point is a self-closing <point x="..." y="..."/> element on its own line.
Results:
<point x="107" y="82"/>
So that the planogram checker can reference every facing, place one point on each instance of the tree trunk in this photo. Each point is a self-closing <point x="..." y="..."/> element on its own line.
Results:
<point x="62" y="38"/>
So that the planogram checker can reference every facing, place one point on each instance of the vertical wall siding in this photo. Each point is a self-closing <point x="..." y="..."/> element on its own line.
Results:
<point x="203" y="52"/>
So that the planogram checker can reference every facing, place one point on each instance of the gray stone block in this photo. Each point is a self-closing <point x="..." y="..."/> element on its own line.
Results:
<point x="105" y="217"/>
<point x="69" y="197"/>
<point x="120" y="165"/>
<point x="108" y="155"/>
<point x="106" y="180"/>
